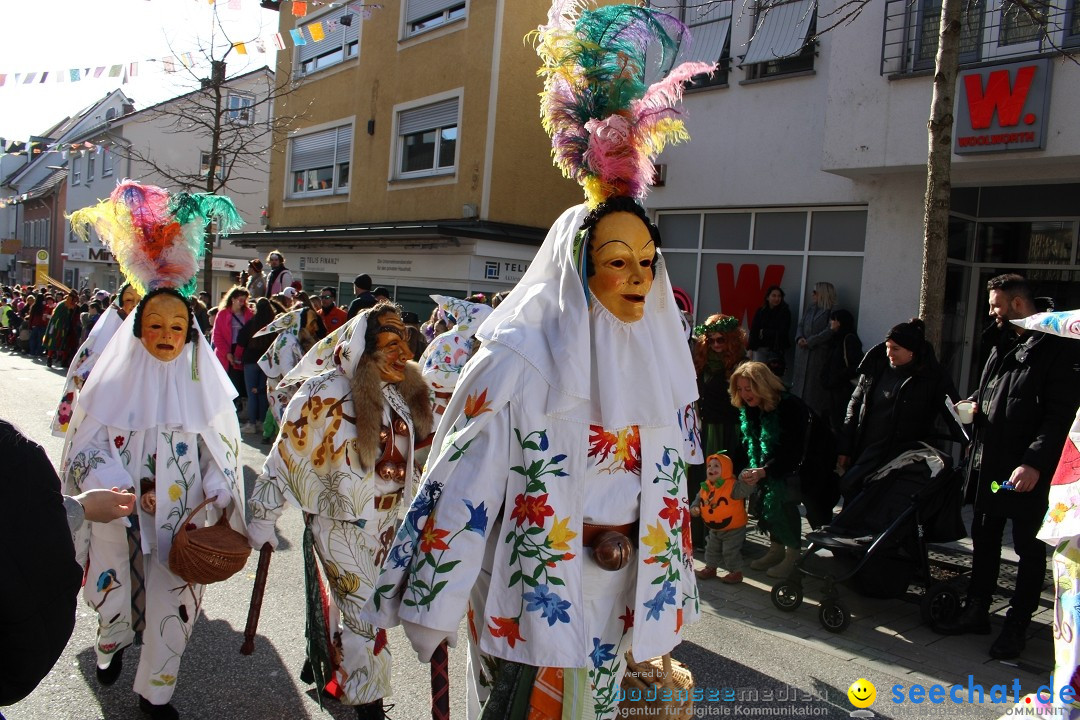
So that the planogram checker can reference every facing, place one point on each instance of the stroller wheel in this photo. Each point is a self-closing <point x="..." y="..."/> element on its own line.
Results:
<point x="786" y="596"/>
<point x="833" y="616"/>
<point x="941" y="603"/>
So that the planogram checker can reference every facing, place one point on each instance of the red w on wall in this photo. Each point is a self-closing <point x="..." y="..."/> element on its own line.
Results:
<point x="741" y="298"/>
<point x="998" y="95"/>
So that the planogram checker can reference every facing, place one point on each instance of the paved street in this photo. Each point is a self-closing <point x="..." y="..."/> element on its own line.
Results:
<point x="768" y="662"/>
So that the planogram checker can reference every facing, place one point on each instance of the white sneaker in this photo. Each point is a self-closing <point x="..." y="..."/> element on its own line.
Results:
<point x="247" y="428"/>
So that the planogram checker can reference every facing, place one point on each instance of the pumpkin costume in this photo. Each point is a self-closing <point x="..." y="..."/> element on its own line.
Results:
<point x="721" y="503"/>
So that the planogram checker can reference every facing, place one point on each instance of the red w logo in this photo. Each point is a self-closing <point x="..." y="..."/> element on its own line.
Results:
<point x="741" y="298"/>
<point x="998" y="95"/>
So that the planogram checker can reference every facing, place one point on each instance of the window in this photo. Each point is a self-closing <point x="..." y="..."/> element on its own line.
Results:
<point x="427" y="139"/>
<point x="76" y="169"/>
<point x="340" y="29"/>
<point x="319" y="162"/>
<point x="106" y="162"/>
<point x="1022" y="22"/>
<point x="710" y="31"/>
<point x="781" y="43"/>
<point x="926" y="40"/>
<point x="240" y="109"/>
<point x="1072" y="23"/>
<point x="204" y="166"/>
<point x="89" y="166"/>
<point x="423" y="15"/>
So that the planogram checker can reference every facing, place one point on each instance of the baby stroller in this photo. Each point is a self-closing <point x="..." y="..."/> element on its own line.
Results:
<point x="879" y="539"/>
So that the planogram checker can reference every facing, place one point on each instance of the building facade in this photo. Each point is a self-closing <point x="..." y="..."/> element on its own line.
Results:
<point x="417" y="155"/>
<point x="808" y="161"/>
<point x="34" y="223"/>
<point x="169" y="144"/>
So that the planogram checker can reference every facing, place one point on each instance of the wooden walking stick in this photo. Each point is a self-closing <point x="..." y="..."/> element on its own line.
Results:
<point x="256" y="600"/>
<point x="440" y="684"/>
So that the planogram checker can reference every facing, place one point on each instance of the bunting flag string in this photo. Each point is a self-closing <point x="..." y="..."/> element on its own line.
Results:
<point x="310" y="33"/>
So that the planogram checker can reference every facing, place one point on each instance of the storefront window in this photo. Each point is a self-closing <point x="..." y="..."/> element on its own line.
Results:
<point x="1034" y="243"/>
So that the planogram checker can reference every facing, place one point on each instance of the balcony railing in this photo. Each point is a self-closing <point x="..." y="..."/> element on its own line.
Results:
<point x="992" y="31"/>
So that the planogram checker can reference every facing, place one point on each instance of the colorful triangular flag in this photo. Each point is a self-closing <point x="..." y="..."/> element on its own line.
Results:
<point x="316" y="31"/>
<point x="299" y="8"/>
<point x="297" y="36"/>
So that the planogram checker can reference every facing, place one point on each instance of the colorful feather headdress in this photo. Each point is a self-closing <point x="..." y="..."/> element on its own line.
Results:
<point x="606" y="125"/>
<point x="157" y="239"/>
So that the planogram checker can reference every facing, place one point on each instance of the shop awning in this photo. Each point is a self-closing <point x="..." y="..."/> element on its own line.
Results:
<point x="434" y="233"/>
<point x="781" y="32"/>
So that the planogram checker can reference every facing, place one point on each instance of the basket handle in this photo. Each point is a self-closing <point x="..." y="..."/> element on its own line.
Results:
<point x="193" y="513"/>
<point x="665" y="659"/>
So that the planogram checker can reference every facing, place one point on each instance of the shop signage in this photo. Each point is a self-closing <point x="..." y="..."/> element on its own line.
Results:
<point x="1002" y="108"/>
<point x="741" y="297"/>
<point x="318" y="262"/>
<point x="499" y="270"/>
<point x="85" y="253"/>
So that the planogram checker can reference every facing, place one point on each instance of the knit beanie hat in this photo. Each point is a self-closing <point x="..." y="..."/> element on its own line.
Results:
<point x="910" y="335"/>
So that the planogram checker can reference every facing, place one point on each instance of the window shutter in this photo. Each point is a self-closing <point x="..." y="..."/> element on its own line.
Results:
<point x="419" y="9"/>
<point x="428" y="117"/>
<point x="313" y="151"/>
<point x="344" y="144"/>
<point x="332" y="37"/>
<point x="781" y="32"/>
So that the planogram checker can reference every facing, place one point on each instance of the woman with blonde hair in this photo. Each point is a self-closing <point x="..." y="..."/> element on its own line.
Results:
<point x="773" y="425"/>
<point x="811" y="349"/>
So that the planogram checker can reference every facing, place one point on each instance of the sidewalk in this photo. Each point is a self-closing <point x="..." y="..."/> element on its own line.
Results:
<point x="891" y="633"/>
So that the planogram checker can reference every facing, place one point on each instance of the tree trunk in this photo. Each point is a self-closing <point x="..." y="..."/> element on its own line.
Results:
<point x="939" y="172"/>
<point x="217" y="80"/>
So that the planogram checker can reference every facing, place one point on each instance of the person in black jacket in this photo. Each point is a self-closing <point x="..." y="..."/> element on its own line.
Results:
<point x="841" y="366"/>
<point x="254" y="378"/>
<point x="1027" y="396"/>
<point x="770" y="331"/>
<point x="40" y="588"/>
<point x="901" y="394"/>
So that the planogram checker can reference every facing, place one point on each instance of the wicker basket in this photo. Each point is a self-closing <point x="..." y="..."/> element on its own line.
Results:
<point x="205" y="555"/>
<point x="668" y="681"/>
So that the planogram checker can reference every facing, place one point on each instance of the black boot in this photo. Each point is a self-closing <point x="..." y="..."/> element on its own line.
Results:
<point x="108" y="676"/>
<point x="1010" y="643"/>
<point x="158" y="712"/>
<point x="974" y="618"/>
<point x="371" y="711"/>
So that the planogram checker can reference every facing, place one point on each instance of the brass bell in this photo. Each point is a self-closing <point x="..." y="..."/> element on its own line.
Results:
<point x="400" y="427"/>
<point x="612" y="550"/>
<point x="384" y="435"/>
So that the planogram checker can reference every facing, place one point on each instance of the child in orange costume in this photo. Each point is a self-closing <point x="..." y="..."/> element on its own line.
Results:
<point x="721" y="503"/>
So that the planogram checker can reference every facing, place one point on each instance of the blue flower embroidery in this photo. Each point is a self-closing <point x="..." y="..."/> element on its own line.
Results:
<point x="478" y="518"/>
<point x="550" y="605"/>
<point x="665" y="596"/>
<point x="399" y="557"/>
<point x="181" y="449"/>
<point x="423" y="503"/>
<point x="601" y="653"/>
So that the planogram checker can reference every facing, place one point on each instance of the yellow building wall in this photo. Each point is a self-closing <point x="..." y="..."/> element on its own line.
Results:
<point x="524" y="188"/>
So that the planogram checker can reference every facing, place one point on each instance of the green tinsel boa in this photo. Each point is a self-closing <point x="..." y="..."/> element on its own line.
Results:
<point x="762" y="439"/>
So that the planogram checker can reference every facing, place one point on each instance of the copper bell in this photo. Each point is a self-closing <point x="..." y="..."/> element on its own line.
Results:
<point x="400" y="427"/>
<point x="612" y="550"/>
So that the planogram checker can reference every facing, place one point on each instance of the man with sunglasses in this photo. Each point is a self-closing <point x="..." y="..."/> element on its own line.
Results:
<point x="332" y="316"/>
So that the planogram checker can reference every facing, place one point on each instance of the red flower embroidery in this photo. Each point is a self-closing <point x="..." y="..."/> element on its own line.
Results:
<point x="380" y="642"/>
<point x="432" y="537"/>
<point x="118" y="441"/>
<point x="505" y="627"/>
<point x="627" y="620"/>
<point x="533" y="509"/>
<point x="671" y="512"/>
<point x="687" y="541"/>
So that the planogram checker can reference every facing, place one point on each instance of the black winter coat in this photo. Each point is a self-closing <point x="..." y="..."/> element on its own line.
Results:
<point x="771" y="329"/>
<point x="41" y="579"/>
<point x="920" y="401"/>
<point x="1025" y="420"/>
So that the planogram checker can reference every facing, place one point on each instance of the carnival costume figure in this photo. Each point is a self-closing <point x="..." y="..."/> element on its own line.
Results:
<point x="88" y="354"/>
<point x="1061" y="530"/>
<point x="155" y="416"/>
<point x="297" y="332"/>
<point x="553" y="511"/>
<point x="344" y="456"/>
<point x="446" y="355"/>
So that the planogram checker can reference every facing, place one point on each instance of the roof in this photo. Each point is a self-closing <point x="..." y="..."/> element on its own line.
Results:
<point x="440" y="232"/>
<point x="47" y="185"/>
<point x="228" y="81"/>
